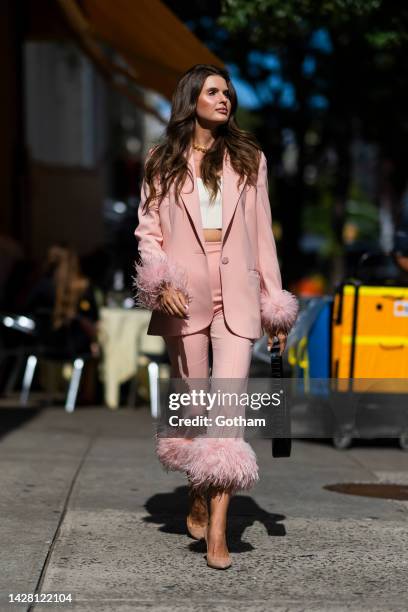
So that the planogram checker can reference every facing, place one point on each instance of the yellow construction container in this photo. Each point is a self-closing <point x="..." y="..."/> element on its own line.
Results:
<point x="370" y="332"/>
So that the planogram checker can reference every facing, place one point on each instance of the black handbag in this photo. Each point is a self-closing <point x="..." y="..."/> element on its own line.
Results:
<point x="282" y="445"/>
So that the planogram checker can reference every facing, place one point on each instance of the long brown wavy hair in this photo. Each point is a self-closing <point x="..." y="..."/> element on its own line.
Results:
<point x="167" y="163"/>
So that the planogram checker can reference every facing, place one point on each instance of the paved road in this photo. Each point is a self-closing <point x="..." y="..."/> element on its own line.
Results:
<point x="87" y="509"/>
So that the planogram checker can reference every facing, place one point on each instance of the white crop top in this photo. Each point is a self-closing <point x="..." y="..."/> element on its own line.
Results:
<point x="211" y="214"/>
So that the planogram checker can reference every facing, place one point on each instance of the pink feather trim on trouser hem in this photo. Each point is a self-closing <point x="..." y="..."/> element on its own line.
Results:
<point x="227" y="464"/>
<point x="173" y="452"/>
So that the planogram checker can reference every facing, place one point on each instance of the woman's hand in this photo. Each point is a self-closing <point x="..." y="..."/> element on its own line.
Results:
<point x="282" y="337"/>
<point x="173" y="302"/>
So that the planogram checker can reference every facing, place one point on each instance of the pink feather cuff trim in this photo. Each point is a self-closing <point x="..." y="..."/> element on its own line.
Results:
<point x="279" y="310"/>
<point x="153" y="274"/>
<point x="223" y="463"/>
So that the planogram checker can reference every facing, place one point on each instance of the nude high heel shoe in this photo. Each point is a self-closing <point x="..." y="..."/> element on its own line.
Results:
<point x="221" y="563"/>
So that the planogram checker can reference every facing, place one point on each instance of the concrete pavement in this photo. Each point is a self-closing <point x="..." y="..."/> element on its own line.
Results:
<point x="87" y="509"/>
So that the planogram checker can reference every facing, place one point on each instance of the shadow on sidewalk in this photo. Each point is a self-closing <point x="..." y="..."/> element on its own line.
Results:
<point x="170" y="509"/>
<point x="14" y="417"/>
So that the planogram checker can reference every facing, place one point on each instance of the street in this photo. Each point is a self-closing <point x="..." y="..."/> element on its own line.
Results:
<point x="87" y="509"/>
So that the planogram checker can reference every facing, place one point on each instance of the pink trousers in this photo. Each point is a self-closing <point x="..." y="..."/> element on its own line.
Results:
<point x="226" y="463"/>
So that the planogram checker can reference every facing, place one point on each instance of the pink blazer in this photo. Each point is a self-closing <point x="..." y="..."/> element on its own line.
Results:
<point x="171" y="248"/>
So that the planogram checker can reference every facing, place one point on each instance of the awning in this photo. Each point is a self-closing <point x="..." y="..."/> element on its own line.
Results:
<point x="155" y="44"/>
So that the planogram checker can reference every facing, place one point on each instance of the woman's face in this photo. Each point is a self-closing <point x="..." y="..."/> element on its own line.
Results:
<point x="213" y="104"/>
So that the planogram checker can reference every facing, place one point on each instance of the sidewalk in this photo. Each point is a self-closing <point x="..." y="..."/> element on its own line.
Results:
<point x="87" y="509"/>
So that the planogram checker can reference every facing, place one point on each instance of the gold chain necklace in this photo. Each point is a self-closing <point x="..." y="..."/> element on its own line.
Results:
<point x="199" y="148"/>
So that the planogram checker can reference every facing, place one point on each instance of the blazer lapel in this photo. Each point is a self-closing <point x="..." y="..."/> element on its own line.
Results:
<point x="191" y="201"/>
<point x="230" y="194"/>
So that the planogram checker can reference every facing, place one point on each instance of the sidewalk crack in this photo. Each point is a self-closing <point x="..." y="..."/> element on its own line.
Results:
<point x="60" y="522"/>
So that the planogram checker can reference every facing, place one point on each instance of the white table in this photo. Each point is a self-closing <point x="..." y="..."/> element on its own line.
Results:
<point x="122" y="337"/>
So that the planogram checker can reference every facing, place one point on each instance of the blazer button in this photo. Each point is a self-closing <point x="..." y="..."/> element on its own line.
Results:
<point x="225" y="260"/>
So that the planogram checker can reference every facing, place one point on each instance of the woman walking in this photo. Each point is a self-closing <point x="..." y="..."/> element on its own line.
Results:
<point x="209" y="272"/>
